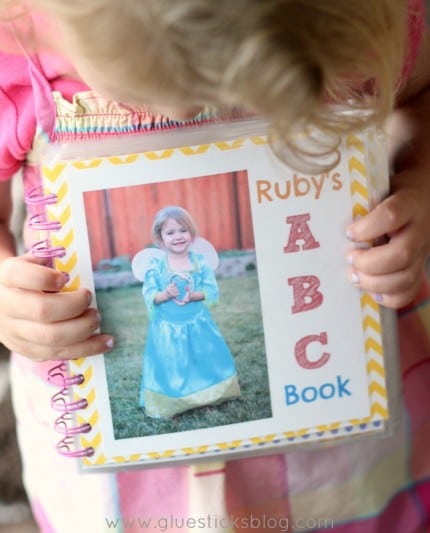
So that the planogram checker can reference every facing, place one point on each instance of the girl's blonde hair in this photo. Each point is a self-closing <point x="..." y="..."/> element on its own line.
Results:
<point x="176" y="213"/>
<point x="285" y="59"/>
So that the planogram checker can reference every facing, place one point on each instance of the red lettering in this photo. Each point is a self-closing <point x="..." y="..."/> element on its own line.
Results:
<point x="300" y="231"/>
<point x="305" y="293"/>
<point x="301" y="351"/>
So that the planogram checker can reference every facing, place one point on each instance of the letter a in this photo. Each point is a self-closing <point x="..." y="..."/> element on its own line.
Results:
<point x="300" y="231"/>
<point x="305" y="293"/>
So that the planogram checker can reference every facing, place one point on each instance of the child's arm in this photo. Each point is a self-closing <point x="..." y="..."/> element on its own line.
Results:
<point x="209" y="286"/>
<point x="393" y="271"/>
<point x="196" y="296"/>
<point x="35" y="319"/>
<point x="171" y="291"/>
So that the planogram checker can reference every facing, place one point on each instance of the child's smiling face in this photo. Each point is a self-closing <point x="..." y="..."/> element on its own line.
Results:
<point x="175" y="237"/>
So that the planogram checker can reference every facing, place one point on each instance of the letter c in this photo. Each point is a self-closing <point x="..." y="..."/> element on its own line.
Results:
<point x="301" y="355"/>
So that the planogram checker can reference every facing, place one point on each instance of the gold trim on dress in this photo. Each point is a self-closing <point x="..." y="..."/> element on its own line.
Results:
<point x="161" y="406"/>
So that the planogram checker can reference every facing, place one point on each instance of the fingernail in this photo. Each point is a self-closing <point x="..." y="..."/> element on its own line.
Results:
<point x="350" y="260"/>
<point x="378" y="298"/>
<point x="363" y="245"/>
<point x="349" y="236"/>
<point x="65" y="278"/>
<point x="355" y="278"/>
<point x="109" y="343"/>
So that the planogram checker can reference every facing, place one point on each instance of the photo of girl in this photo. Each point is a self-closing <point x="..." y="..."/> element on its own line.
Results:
<point x="186" y="361"/>
<point x="176" y="281"/>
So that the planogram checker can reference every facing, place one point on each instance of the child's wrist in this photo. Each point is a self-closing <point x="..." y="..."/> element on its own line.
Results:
<point x="161" y="296"/>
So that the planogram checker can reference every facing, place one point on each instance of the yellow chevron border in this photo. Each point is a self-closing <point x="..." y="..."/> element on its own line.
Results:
<point x="362" y="166"/>
<point x="362" y="163"/>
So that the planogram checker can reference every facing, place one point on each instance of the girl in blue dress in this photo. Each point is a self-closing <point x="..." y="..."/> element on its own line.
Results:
<point x="186" y="361"/>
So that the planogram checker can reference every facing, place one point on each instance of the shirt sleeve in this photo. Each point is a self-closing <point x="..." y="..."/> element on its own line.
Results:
<point x="208" y="283"/>
<point x="151" y="285"/>
<point x="17" y="113"/>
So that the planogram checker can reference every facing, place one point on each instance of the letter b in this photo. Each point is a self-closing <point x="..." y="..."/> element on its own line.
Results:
<point x="305" y="293"/>
<point x="291" y="396"/>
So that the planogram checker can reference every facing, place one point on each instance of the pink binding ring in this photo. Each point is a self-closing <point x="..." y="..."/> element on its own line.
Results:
<point x="73" y="430"/>
<point x="39" y="222"/>
<point x="35" y="196"/>
<point x="43" y="250"/>
<point x="61" y="425"/>
<point x="65" y="447"/>
<point x="61" y="380"/>
<point x="59" y="402"/>
<point x="57" y="375"/>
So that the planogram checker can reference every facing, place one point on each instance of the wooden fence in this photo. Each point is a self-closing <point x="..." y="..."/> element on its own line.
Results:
<point x="119" y="220"/>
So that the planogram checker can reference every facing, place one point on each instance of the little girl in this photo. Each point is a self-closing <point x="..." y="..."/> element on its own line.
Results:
<point x="186" y="362"/>
<point x="284" y="59"/>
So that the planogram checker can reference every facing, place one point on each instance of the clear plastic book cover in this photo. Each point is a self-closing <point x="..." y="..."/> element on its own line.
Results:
<point x="221" y="273"/>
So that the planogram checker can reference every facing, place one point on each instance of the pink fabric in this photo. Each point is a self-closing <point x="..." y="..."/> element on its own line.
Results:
<point x="154" y="501"/>
<point x="249" y="490"/>
<point x="22" y="98"/>
<point x="41" y="518"/>
<point x="416" y="28"/>
<point x="17" y="117"/>
<point x="25" y="98"/>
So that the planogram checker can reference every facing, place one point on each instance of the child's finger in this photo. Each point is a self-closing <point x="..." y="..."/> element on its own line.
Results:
<point x="95" y="344"/>
<point x="58" y="334"/>
<point x="23" y="273"/>
<point x="400" y="282"/>
<point x="399" y="253"/>
<point x="45" y="307"/>
<point x="387" y="217"/>
<point x="398" y="299"/>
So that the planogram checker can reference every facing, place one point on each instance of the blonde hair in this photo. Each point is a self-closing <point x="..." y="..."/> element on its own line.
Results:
<point x="176" y="213"/>
<point x="284" y="59"/>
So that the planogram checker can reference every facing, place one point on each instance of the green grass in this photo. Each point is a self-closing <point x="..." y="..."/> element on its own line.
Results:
<point x="239" y="318"/>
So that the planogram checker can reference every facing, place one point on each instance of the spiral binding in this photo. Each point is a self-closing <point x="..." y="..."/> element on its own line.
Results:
<point x="61" y="402"/>
<point x="58" y="374"/>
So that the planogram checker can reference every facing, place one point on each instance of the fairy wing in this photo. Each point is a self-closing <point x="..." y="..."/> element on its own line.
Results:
<point x="142" y="260"/>
<point x="205" y="248"/>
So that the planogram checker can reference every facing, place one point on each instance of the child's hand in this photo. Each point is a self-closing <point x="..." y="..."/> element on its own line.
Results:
<point x="41" y="323"/>
<point x="393" y="271"/>
<point x="172" y="290"/>
<point x="187" y="297"/>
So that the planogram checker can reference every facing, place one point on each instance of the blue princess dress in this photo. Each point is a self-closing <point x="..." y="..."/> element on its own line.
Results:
<point x="186" y="362"/>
